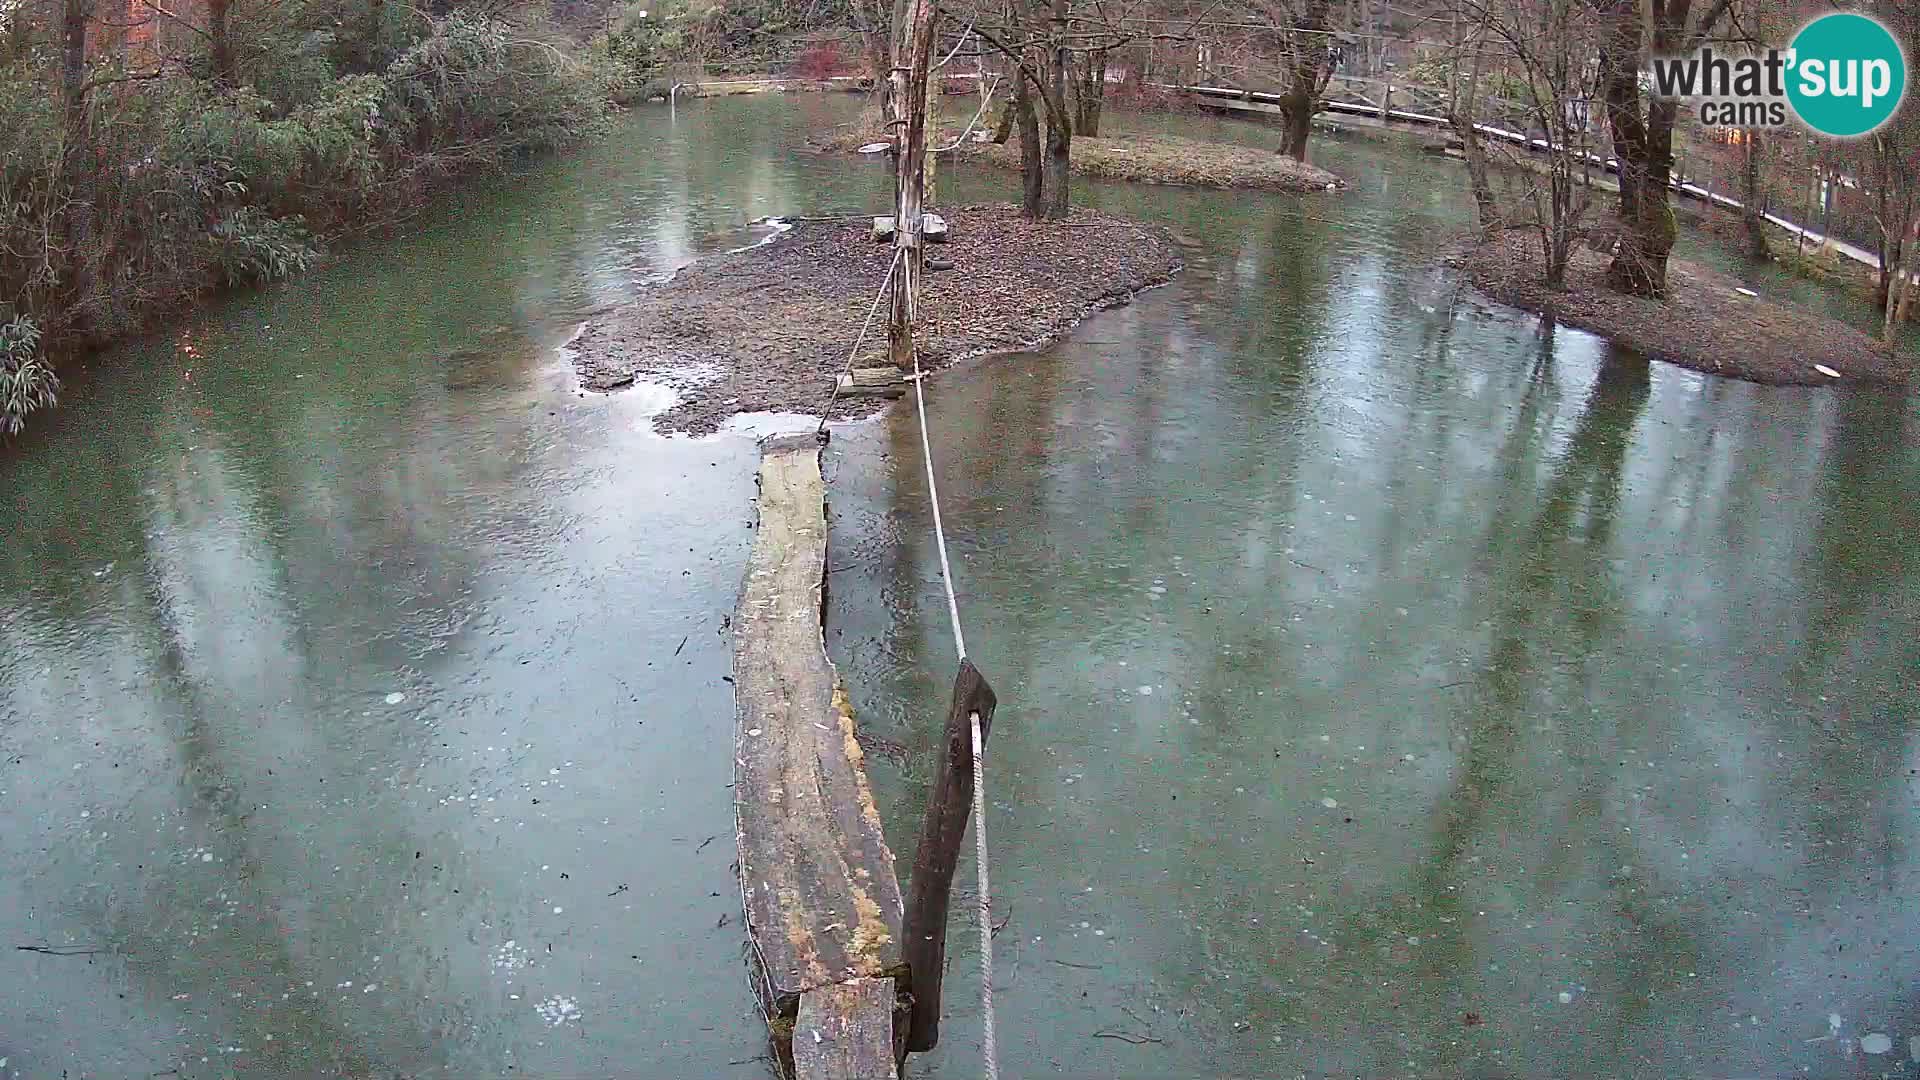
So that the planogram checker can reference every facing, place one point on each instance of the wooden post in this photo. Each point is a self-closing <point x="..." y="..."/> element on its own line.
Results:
<point x="928" y="159"/>
<point x="949" y="804"/>
<point x="907" y="121"/>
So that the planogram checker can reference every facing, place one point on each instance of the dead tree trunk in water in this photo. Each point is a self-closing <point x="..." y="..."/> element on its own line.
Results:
<point x="907" y="121"/>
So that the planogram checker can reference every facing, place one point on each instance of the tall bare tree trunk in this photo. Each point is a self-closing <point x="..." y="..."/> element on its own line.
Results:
<point x="1032" y="181"/>
<point x="77" y="165"/>
<point x="933" y="135"/>
<point x="1089" y="93"/>
<point x="222" y="43"/>
<point x="1464" y="95"/>
<point x="1003" y="127"/>
<point x="1057" y="170"/>
<point x="907" y="119"/>
<point x="1900" y="287"/>
<point x="1644" y="147"/>
<point x="1313" y="56"/>
<point x="1750" y="208"/>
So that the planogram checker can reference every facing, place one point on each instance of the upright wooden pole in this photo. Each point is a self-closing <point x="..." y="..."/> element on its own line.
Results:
<point x="949" y="804"/>
<point x="907" y="122"/>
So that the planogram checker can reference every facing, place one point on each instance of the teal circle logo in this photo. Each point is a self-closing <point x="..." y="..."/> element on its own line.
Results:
<point x="1846" y="75"/>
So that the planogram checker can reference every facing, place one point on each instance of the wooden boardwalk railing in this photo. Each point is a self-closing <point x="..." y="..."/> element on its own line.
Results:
<point x="1349" y="95"/>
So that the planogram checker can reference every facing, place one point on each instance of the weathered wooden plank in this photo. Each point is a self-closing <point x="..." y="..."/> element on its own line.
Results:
<point x="949" y="804"/>
<point x="884" y="375"/>
<point x="845" y="1032"/>
<point x="816" y="876"/>
<point x="851" y="386"/>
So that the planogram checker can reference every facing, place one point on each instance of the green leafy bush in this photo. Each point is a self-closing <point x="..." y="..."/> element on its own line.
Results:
<point x="26" y="382"/>
<point x="182" y="185"/>
<point x="254" y="248"/>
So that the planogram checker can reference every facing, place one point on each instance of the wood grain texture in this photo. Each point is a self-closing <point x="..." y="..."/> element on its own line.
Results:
<point x="817" y="879"/>
<point x="942" y="831"/>
<point x="845" y="1032"/>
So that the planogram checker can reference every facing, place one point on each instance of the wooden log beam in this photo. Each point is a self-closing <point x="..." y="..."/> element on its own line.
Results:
<point x="949" y="804"/>
<point x="844" y="1032"/>
<point x="817" y="882"/>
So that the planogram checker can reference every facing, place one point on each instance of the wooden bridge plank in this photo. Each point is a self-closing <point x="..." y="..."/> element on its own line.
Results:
<point x="817" y="879"/>
<point x="845" y="1032"/>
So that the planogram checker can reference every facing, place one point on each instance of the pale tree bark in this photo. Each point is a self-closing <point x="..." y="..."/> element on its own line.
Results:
<point x="907" y="122"/>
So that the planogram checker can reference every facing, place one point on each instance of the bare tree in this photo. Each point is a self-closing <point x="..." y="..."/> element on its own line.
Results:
<point x="220" y="43"/>
<point x="1310" y="43"/>
<point x="1545" y="44"/>
<point x="1465" y="68"/>
<point x="1089" y="91"/>
<point x="1642" y="127"/>
<point x="1257" y="44"/>
<point x="1753" y="225"/>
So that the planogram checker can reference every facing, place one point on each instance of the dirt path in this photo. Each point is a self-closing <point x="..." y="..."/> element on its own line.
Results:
<point x="769" y="328"/>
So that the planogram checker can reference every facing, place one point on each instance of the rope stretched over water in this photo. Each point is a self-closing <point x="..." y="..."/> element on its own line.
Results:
<point x="988" y="1045"/>
<point x="933" y="490"/>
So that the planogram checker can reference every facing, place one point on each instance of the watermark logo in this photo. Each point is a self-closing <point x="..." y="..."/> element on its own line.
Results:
<point x="1843" y="75"/>
<point x="1850" y="75"/>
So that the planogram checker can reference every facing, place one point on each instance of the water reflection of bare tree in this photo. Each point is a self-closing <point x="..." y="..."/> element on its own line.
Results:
<point x="1545" y="580"/>
<point x="224" y="938"/>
